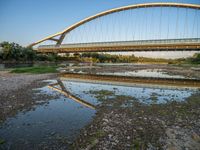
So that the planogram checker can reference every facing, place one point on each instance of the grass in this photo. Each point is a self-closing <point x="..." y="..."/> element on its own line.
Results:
<point x="36" y="70"/>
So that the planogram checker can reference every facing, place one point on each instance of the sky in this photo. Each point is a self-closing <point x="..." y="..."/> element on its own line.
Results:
<point x="26" y="21"/>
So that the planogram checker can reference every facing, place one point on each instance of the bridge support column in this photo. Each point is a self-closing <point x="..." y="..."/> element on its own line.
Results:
<point x="60" y="39"/>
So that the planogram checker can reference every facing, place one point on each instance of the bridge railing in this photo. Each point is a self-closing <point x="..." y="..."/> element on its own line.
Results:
<point x="124" y="43"/>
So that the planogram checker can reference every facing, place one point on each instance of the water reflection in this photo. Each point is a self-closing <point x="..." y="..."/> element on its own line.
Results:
<point x="155" y="73"/>
<point x="142" y="94"/>
<point x="69" y="95"/>
<point x="132" y="70"/>
<point x="60" y="120"/>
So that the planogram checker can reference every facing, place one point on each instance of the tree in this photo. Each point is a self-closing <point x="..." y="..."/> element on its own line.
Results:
<point x="196" y="58"/>
<point x="13" y="51"/>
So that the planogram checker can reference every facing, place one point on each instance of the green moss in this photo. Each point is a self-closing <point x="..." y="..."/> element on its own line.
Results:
<point x="194" y="99"/>
<point x="124" y="97"/>
<point x="123" y="100"/>
<point x="2" y="141"/>
<point x="109" y="98"/>
<point x="154" y="98"/>
<point x="100" y="133"/>
<point x="94" y="138"/>
<point x="36" y="70"/>
<point x="93" y="141"/>
<point x="137" y="145"/>
<point x="102" y="92"/>
<point x="102" y="95"/>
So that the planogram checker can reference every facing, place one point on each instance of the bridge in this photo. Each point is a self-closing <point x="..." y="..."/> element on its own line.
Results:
<point x="139" y="27"/>
<point x="142" y="45"/>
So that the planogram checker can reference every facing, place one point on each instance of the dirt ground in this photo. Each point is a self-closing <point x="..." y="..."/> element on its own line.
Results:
<point x="17" y="93"/>
<point x="171" y="126"/>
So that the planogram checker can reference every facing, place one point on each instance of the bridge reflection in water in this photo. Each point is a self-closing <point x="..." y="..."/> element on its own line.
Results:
<point x="132" y="81"/>
<point x="122" y="81"/>
<point x="66" y="93"/>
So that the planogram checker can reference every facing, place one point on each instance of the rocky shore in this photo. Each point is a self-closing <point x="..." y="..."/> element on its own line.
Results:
<point x="172" y="126"/>
<point x="17" y="93"/>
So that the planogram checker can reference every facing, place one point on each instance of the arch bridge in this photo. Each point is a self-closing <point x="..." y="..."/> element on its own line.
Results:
<point x="139" y="27"/>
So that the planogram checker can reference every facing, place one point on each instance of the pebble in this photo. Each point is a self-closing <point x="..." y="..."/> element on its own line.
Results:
<point x="196" y="137"/>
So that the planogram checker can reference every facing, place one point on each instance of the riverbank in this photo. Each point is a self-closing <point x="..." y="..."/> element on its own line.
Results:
<point x="171" y="126"/>
<point x="17" y="93"/>
<point x="136" y="70"/>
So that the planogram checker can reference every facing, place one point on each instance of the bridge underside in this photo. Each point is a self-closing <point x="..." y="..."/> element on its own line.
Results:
<point x="122" y="48"/>
<point x="150" y="45"/>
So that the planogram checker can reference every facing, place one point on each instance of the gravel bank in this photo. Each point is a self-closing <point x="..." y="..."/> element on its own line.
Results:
<point x="16" y="91"/>
<point x="171" y="126"/>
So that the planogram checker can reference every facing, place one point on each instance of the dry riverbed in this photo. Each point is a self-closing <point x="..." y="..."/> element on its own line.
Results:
<point x="186" y="71"/>
<point x="17" y="93"/>
<point x="171" y="126"/>
<point x="121" y="121"/>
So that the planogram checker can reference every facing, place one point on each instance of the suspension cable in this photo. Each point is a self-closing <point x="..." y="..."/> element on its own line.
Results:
<point x="177" y="18"/>
<point x="185" y="25"/>
<point x="160" y="24"/>
<point x="146" y="22"/>
<point x="168" y="23"/>
<point x="194" y="22"/>
<point x="152" y="21"/>
<point x="134" y="26"/>
<point x="128" y="24"/>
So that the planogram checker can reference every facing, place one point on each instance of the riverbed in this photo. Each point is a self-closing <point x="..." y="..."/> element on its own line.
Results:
<point x="49" y="112"/>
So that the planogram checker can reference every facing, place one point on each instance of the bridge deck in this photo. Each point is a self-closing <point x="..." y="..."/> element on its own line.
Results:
<point x="140" y="45"/>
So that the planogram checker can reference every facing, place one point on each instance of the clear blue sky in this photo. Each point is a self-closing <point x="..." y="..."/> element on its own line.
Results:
<point x="26" y="21"/>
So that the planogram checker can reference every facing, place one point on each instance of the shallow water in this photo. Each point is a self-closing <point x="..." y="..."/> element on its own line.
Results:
<point x="61" y="119"/>
<point x="58" y="120"/>
<point x="155" y="73"/>
<point x="148" y="73"/>
<point x="142" y="94"/>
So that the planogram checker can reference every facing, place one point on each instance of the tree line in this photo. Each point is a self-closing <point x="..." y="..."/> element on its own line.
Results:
<point x="15" y="52"/>
<point x="108" y="58"/>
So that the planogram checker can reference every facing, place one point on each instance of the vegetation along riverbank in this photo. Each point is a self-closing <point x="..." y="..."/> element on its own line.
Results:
<point x="14" y="53"/>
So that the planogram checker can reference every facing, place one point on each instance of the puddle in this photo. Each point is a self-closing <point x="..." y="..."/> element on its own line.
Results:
<point x="142" y="94"/>
<point x="62" y="119"/>
<point x="59" y="120"/>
